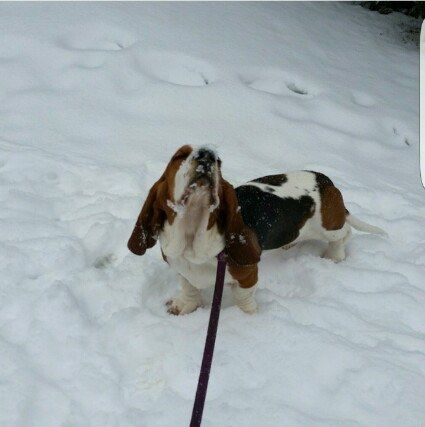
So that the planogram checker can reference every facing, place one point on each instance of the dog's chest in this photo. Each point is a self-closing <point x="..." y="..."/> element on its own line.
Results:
<point x="189" y="247"/>
<point x="199" y="275"/>
<point x="194" y="257"/>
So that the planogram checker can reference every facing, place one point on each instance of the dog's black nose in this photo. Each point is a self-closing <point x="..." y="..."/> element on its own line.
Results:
<point x="205" y="155"/>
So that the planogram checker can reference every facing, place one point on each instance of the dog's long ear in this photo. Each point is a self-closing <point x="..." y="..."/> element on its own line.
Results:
<point x="242" y="244"/>
<point x="150" y="220"/>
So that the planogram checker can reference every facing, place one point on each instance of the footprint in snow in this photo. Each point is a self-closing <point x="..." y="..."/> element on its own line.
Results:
<point x="177" y="68"/>
<point x="100" y="37"/>
<point x="405" y="139"/>
<point x="363" y="99"/>
<point x="276" y="86"/>
<point x="104" y="261"/>
<point x="296" y="89"/>
<point x="97" y="45"/>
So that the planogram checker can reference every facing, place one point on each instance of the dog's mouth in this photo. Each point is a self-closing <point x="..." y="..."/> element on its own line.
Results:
<point x="203" y="178"/>
<point x="202" y="184"/>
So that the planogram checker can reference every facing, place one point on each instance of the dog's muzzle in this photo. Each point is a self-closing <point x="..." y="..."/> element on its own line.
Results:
<point x="205" y="163"/>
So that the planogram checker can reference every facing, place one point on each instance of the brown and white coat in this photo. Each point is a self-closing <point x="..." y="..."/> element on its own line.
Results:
<point x="195" y="214"/>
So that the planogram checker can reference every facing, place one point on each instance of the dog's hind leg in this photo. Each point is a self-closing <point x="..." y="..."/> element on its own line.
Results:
<point x="244" y="298"/>
<point x="337" y="240"/>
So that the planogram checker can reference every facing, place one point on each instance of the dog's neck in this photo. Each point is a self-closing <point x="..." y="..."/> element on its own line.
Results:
<point x="188" y="235"/>
<point x="196" y="215"/>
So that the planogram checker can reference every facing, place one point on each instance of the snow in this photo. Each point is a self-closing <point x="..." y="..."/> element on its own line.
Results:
<point x="95" y="98"/>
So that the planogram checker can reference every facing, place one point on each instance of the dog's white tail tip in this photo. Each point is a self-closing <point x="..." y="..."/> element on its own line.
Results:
<point x="364" y="226"/>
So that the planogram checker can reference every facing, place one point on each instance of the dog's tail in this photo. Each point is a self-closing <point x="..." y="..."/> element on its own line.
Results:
<point x="364" y="226"/>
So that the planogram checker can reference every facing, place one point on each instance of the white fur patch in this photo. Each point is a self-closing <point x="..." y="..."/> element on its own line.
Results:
<point x="181" y="179"/>
<point x="298" y="183"/>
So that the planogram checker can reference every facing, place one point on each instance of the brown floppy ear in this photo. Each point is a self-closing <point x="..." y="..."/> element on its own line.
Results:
<point x="149" y="222"/>
<point x="242" y="245"/>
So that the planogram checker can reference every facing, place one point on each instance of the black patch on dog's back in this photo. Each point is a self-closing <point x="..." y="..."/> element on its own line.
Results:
<point x="276" y="180"/>
<point x="275" y="220"/>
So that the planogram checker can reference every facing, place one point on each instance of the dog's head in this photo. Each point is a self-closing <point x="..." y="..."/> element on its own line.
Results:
<point x="193" y="171"/>
<point x="196" y="170"/>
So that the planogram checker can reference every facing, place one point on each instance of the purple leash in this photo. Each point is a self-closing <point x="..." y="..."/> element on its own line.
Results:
<point x="204" y="375"/>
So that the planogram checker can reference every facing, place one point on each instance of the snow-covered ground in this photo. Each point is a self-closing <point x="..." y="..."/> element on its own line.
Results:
<point x="94" y="98"/>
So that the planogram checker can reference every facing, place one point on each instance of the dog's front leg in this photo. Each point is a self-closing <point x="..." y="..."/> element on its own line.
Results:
<point x="244" y="298"/>
<point x="187" y="301"/>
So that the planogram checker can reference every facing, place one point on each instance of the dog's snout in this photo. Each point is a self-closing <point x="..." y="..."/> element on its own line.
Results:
<point x="205" y="155"/>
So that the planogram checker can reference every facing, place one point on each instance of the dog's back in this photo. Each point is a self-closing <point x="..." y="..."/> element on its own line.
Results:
<point x="296" y="206"/>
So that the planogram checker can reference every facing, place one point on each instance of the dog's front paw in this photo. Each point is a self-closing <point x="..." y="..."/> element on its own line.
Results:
<point x="177" y="306"/>
<point x="249" y="307"/>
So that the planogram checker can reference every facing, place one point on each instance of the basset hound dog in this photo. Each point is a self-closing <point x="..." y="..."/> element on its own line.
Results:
<point x="195" y="213"/>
